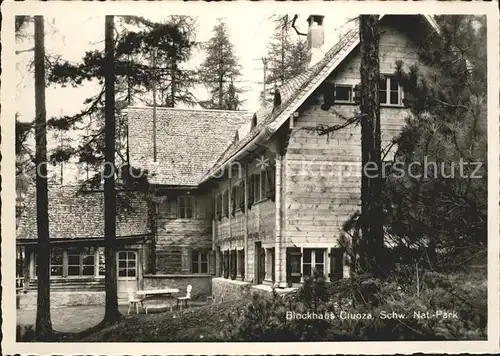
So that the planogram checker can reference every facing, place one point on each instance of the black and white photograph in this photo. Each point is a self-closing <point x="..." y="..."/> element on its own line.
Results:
<point x="250" y="174"/>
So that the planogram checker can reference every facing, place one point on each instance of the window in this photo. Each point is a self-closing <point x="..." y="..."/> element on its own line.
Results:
<point x="169" y="208"/>
<point x="186" y="207"/>
<point x="218" y="206"/>
<point x="127" y="264"/>
<point x="263" y="184"/>
<point x="225" y="203"/>
<point x="241" y="196"/>
<point x="390" y="91"/>
<point x="343" y="93"/>
<point x="251" y="191"/>
<point x="76" y="261"/>
<point x="236" y="196"/>
<point x="199" y="262"/>
<point x="270" y="174"/>
<point x="313" y="259"/>
<point x="88" y="262"/>
<point x="56" y="262"/>
<point x="257" y="188"/>
<point x="81" y="261"/>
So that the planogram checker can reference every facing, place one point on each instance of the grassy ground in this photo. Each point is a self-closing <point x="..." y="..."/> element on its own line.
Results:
<point x="202" y="323"/>
<point x="197" y="323"/>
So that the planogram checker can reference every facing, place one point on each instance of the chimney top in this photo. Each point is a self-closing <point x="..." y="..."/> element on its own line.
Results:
<point x="315" y="39"/>
<point x="315" y="18"/>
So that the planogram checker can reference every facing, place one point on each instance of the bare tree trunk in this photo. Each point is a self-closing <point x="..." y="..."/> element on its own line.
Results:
<point x="112" y="314"/>
<point x="371" y="182"/>
<point x="43" y="327"/>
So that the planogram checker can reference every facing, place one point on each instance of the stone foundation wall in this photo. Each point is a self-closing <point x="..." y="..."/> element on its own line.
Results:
<point x="61" y="299"/>
<point x="230" y="289"/>
<point x="202" y="286"/>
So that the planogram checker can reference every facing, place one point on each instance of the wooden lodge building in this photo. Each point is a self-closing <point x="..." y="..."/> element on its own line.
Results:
<point x="242" y="199"/>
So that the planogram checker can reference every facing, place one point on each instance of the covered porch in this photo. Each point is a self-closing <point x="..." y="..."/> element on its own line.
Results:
<point x="76" y="231"/>
<point x="77" y="271"/>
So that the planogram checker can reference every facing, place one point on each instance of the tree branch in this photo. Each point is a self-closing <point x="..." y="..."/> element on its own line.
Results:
<point x="25" y="50"/>
<point x="294" y="26"/>
<point x="325" y="129"/>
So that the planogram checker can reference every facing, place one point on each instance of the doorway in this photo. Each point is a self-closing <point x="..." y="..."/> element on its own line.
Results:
<point x="260" y="255"/>
<point x="127" y="273"/>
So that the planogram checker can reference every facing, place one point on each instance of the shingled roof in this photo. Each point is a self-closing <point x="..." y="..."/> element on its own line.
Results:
<point x="193" y="144"/>
<point x="293" y="91"/>
<point x="188" y="141"/>
<point x="81" y="216"/>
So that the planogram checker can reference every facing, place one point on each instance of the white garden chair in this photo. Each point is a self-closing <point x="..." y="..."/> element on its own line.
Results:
<point x="134" y="301"/>
<point x="184" y="300"/>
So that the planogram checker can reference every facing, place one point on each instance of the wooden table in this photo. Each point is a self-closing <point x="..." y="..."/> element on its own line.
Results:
<point x="157" y="294"/>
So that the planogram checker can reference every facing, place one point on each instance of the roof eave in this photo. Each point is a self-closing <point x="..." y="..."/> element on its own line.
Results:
<point x="33" y="241"/>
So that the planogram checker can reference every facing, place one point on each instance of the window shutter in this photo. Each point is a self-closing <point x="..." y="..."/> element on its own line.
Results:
<point x="226" y="203"/>
<point x="233" y="201"/>
<point x="250" y="191"/>
<point x="186" y="260"/>
<point x="242" y="196"/>
<point x="271" y="187"/>
<point x="211" y="262"/>
<point x="218" y="207"/>
<point x="336" y="263"/>
<point x="357" y="94"/>
<point x="263" y="184"/>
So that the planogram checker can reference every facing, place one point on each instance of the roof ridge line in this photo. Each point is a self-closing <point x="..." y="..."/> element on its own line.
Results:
<point x="188" y="109"/>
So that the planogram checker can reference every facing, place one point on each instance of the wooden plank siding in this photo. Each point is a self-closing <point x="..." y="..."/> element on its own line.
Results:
<point x="323" y="173"/>
<point x="174" y="235"/>
<point x="259" y="219"/>
<point x="319" y="180"/>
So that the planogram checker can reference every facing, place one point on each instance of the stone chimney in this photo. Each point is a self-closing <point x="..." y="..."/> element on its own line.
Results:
<point x="315" y="39"/>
